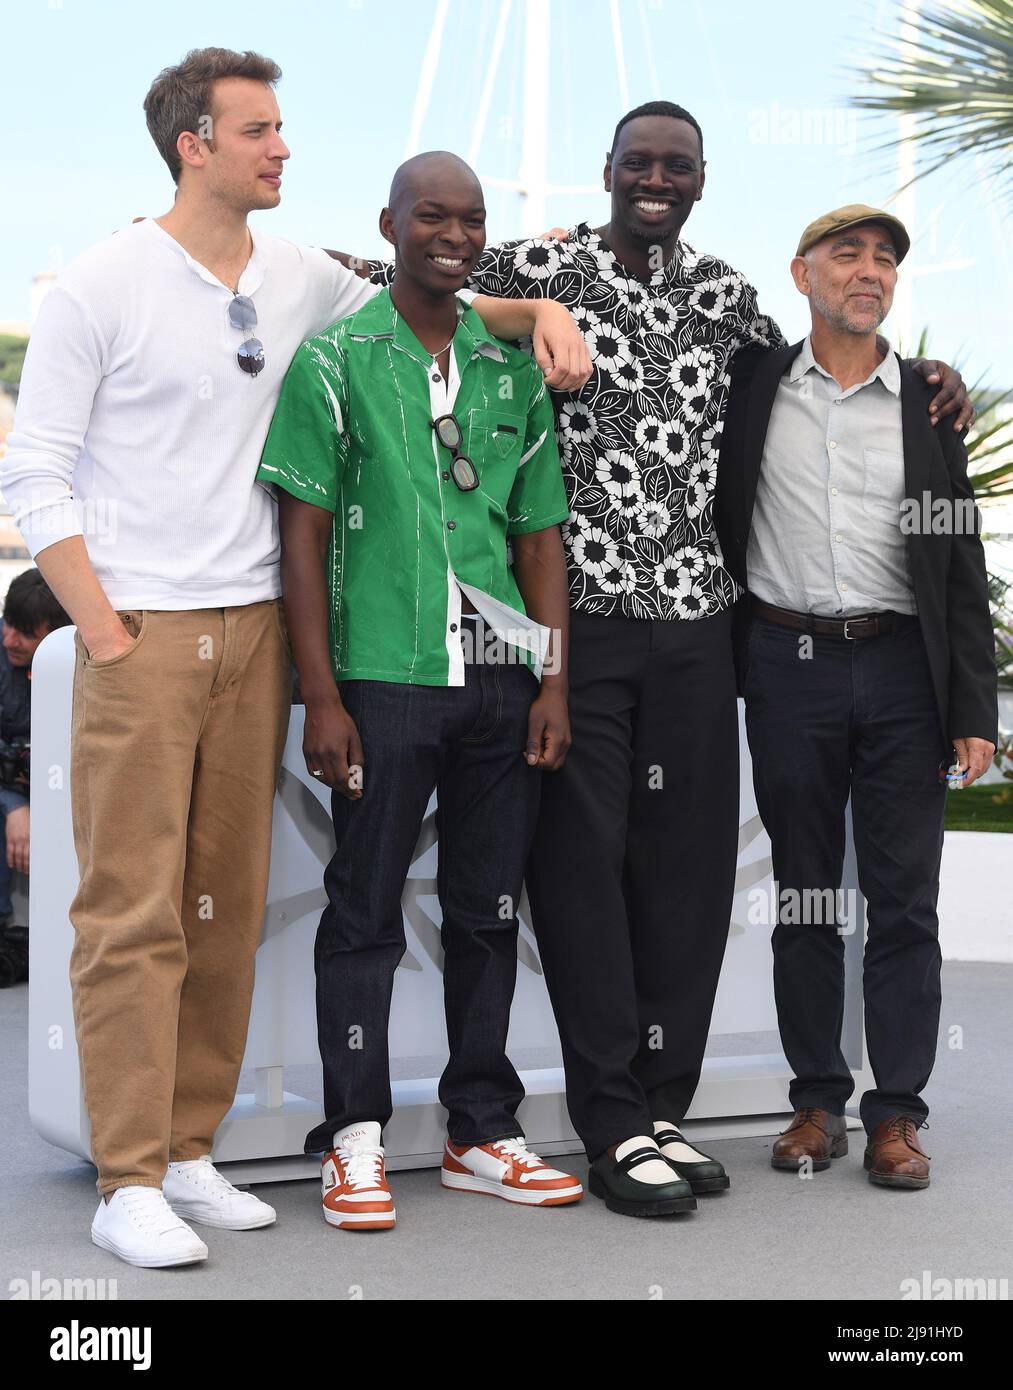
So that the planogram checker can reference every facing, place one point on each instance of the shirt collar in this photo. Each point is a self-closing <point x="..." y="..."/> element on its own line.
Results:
<point x="472" y="336"/>
<point x="379" y="319"/>
<point x="253" y="272"/>
<point x="888" y="371"/>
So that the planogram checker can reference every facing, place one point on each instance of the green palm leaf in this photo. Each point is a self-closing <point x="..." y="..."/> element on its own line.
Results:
<point x="956" y="76"/>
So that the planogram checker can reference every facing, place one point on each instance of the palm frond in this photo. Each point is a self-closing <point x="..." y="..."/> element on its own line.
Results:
<point x="956" y="76"/>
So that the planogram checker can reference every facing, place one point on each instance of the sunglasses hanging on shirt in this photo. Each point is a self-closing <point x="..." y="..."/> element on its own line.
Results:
<point x="463" y="471"/>
<point x="243" y="315"/>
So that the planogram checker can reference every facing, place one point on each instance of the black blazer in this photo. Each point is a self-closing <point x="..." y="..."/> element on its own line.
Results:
<point x="948" y="571"/>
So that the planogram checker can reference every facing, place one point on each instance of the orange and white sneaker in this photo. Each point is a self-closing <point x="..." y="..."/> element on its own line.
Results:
<point x="507" y="1168"/>
<point x="356" y="1195"/>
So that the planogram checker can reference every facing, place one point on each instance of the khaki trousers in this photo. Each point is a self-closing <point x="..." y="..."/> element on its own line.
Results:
<point x="175" y="750"/>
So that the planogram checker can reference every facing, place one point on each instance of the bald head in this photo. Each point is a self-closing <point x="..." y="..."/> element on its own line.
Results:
<point x="436" y="174"/>
<point x="435" y="220"/>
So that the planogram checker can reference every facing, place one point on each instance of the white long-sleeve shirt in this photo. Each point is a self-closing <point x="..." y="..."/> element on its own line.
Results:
<point x="136" y="427"/>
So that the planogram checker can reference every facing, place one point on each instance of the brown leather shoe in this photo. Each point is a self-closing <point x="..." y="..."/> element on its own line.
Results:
<point x="814" y="1134"/>
<point x="894" y="1157"/>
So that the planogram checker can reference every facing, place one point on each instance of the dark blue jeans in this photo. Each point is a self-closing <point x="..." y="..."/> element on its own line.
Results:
<point x="467" y="743"/>
<point x="858" y="719"/>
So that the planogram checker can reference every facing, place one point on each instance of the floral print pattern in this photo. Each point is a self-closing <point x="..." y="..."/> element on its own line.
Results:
<point x="639" y="443"/>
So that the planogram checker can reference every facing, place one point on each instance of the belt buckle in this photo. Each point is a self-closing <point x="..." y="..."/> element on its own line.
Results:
<point x="847" y="624"/>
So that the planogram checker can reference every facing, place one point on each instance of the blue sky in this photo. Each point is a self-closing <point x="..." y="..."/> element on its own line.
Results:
<point x="769" y="84"/>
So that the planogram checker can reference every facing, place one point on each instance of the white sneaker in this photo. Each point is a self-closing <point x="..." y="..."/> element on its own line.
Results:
<point x="139" y="1226"/>
<point x="195" y="1189"/>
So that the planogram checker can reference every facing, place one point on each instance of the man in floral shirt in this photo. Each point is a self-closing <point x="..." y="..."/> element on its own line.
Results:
<point x="632" y="873"/>
<point x="641" y="439"/>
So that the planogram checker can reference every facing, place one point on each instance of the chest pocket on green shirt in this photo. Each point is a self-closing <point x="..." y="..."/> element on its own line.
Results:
<point x="495" y="444"/>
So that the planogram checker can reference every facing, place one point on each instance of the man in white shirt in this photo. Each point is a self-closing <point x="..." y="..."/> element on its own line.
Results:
<point x="149" y="385"/>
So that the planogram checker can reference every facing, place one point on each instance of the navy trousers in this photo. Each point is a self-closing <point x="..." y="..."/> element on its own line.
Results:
<point x="468" y="744"/>
<point x="632" y="869"/>
<point x="828" y="719"/>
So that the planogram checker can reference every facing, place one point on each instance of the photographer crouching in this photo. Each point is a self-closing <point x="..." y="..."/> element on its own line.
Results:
<point x="30" y="612"/>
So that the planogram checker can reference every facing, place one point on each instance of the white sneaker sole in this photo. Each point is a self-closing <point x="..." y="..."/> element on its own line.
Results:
<point x="200" y="1219"/>
<point x="368" y="1220"/>
<point x="470" y="1182"/>
<point x="145" y="1261"/>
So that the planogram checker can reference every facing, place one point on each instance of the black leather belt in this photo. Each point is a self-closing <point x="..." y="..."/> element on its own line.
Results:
<point x="863" y="625"/>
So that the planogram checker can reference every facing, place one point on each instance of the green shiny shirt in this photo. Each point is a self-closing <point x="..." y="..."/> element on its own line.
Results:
<point x="352" y="433"/>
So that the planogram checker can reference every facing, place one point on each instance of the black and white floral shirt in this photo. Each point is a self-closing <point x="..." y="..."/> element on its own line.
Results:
<point x="639" y="442"/>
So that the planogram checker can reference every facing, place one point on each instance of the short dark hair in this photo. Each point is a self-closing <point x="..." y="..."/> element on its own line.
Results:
<point x="181" y="95"/>
<point x="659" y="108"/>
<point x="30" y="603"/>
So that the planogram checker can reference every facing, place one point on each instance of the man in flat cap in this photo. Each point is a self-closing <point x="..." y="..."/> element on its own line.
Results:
<point x="868" y="672"/>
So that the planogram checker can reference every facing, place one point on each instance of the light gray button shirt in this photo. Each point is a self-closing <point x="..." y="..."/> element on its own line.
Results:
<point x="826" y="535"/>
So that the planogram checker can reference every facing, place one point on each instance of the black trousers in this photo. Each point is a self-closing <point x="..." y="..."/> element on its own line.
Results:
<point x="858" y="719"/>
<point x="468" y="743"/>
<point x="632" y="869"/>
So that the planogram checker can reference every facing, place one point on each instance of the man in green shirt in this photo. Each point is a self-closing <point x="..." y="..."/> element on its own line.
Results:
<point x="407" y="447"/>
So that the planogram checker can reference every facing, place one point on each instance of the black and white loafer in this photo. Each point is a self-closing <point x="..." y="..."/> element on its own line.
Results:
<point x="703" y="1174"/>
<point x="614" y="1182"/>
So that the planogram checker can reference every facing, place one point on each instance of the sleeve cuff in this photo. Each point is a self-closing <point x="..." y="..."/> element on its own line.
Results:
<point x="521" y="528"/>
<point x="45" y="525"/>
<point x="274" y="482"/>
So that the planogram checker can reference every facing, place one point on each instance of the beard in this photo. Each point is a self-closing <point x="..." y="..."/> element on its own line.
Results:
<point x="653" y="236"/>
<point x="837" y="316"/>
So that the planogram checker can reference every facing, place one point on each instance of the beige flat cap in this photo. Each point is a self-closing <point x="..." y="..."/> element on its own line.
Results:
<point x="853" y="216"/>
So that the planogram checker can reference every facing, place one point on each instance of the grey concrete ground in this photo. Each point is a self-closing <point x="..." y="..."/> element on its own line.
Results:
<point x="773" y="1235"/>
